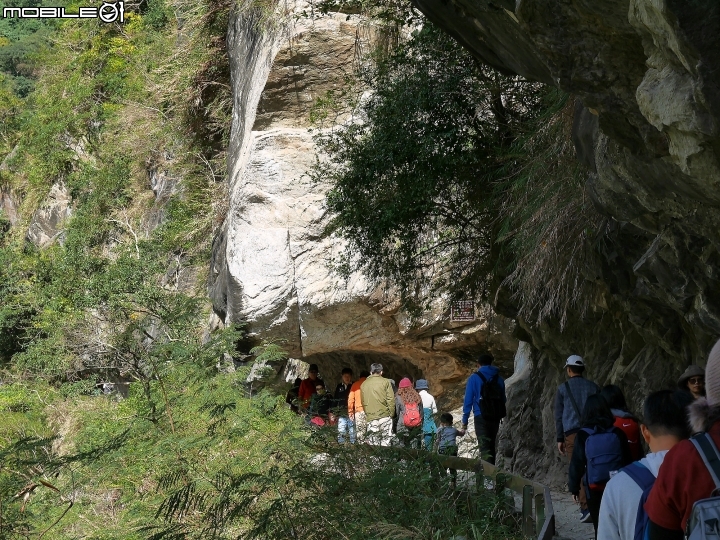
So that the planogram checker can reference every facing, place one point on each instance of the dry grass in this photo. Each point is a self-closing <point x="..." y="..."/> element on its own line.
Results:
<point x="555" y="229"/>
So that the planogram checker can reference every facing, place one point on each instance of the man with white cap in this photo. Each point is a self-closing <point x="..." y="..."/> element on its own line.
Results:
<point x="569" y="404"/>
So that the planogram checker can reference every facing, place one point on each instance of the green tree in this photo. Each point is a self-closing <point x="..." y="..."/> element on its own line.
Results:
<point x="414" y="179"/>
<point x="454" y="180"/>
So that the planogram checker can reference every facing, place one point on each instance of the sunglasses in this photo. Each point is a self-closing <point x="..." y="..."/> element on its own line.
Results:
<point x="696" y="380"/>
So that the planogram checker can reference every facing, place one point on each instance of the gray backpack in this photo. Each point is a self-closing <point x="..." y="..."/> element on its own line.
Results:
<point x="704" y="521"/>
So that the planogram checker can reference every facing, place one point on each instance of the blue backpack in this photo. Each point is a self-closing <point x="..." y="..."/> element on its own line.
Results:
<point x="645" y="480"/>
<point x="603" y="451"/>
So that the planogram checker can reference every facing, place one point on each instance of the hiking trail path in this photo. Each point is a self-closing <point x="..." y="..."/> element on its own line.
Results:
<point x="567" y="518"/>
<point x="567" y="512"/>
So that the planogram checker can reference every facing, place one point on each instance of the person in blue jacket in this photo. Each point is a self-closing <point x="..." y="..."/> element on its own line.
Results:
<point x="486" y="429"/>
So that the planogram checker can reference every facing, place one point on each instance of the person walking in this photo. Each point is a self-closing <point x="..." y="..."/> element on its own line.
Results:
<point x="684" y="479"/>
<point x="693" y="381"/>
<point x="570" y="401"/>
<point x="409" y="414"/>
<point x="600" y="450"/>
<point x="624" y="419"/>
<point x="378" y="401"/>
<point x="355" y="409"/>
<point x="665" y="424"/>
<point x="429" y="409"/>
<point x="346" y="425"/>
<point x="447" y="440"/>
<point x="485" y="398"/>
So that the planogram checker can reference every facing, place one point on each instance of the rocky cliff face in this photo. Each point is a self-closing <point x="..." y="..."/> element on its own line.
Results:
<point x="645" y="76"/>
<point x="272" y="265"/>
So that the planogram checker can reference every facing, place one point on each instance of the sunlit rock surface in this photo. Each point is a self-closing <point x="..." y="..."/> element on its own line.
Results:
<point x="47" y="224"/>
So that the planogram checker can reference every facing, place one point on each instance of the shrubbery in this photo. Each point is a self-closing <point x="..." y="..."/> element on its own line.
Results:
<point x="200" y="458"/>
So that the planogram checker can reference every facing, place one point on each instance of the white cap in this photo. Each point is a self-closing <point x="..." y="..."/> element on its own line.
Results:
<point x="575" y="360"/>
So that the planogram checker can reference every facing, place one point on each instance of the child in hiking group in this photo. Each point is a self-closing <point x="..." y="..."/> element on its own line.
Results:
<point x="447" y="439"/>
<point x="429" y="409"/>
<point x="624" y="419"/>
<point x="600" y="450"/>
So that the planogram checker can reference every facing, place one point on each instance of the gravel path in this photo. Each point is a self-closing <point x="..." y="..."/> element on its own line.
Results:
<point x="567" y="514"/>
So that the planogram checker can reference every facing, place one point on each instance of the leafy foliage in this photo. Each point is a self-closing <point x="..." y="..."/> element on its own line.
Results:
<point x="450" y="177"/>
<point x="308" y="487"/>
<point x="413" y="179"/>
<point x="110" y="300"/>
<point x="21" y="40"/>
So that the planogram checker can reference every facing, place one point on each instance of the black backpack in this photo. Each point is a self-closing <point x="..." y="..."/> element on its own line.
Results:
<point x="492" y="399"/>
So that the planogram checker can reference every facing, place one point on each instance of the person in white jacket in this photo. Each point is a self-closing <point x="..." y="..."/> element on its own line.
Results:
<point x="665" y="424"/>
<point x="429" y="409"/>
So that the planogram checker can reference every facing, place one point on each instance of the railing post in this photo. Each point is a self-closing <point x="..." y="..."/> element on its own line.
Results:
<point x="539" y="513"/>
<point x="479" y="476"/>
<point x="501" y="481"/>
<point x="528" y="527"/>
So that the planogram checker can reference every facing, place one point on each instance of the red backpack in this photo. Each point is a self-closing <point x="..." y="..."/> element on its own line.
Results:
<point x="631" y="427"/>
<point x="411" y="416"/>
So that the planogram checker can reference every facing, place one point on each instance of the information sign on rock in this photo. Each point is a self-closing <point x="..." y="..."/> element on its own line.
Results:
<point x="462" y="310"/>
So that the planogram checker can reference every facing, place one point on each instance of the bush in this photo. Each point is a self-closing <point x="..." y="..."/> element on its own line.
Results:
<point x="359" y="492"/>
<point x="312" y="488"/>
<point x="14" y="398"/>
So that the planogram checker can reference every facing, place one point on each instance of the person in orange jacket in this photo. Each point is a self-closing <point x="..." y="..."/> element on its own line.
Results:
<point x="355" y="408"/>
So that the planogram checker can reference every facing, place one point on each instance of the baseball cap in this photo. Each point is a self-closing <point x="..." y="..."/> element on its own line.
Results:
<point x="575" y="360"/>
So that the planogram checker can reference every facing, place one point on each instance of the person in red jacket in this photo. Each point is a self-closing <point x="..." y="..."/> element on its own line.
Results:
<point x="307" y="387"/>
<point x="683" y="478"/>
<point x="624" y="419"/>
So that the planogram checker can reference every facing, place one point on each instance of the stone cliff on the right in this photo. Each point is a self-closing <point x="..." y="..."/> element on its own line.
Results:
<point x="646" y="78"/>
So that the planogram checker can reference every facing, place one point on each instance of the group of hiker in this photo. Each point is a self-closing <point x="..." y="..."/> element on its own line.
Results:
<point x="376" y="410"/>
<point x="370" y="409"/>
<point x="667" y="494"/>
